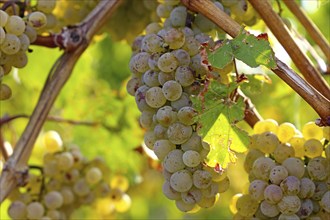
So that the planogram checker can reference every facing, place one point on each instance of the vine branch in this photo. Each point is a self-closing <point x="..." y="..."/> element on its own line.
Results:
<point x="276" y="25"/>
<point x="76" y="40"/>
<point x="316" y="100"/>
<point x="310" y="27"/>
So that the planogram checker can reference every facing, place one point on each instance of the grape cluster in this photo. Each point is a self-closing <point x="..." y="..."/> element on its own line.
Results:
<point x="289" y="173"/>
<point x="17" y="31"/>
<point x="66" y="181"/>
<point x="166" y="71"/>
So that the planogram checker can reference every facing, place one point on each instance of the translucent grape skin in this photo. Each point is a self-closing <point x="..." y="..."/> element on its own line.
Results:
<point x="246" y="205"/>
<point x="53" y="200"/>
<point x="173" y="162"/>
<point x="162" y="148"/>
<point x="172" y="90"/>
<point x="273" y="194"/>
<point x="181" y="181"/>
<point x="17" y="210"/>
<point x="191" y="158"/>
<point x="35" y="210"/>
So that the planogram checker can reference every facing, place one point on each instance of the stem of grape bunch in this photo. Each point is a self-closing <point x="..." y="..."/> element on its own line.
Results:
<point x="76" y="40"/>
<point x="310" y="94"/>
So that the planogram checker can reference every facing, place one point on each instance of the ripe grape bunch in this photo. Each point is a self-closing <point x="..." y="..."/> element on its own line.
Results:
<point x="19" y="25"/>
<point x="289" y="173"/>
<point x="166" y="71"/>
<point x="66" y="181"/>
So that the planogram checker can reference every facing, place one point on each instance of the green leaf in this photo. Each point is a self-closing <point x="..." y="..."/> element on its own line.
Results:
<point x="253" y="51"/>
<point x="217" y="123"/>
<point x="222" y="56"/>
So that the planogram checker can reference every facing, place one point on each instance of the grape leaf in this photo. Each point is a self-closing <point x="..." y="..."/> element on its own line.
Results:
<point x="222" y="56"/>
<point x="217" y="118"/>
<point x="252" y="50"/>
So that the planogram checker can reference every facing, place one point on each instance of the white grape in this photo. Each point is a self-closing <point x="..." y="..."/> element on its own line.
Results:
<point x="53" y="200"/>
<point x="65" y="161"/>
<point x="307" y="188"/>
<point x="183" y="101"/>
<point x="37" y="20"/>
<point x="172" y="90"/>
<point x="262" y="167"/>
<point x="207" y="202"/>
<point x="277" y="174"/>
<point x="318" y="168"/>
<point x="166" y="116"/>
<point x="193" y="143"/>
<point x="175" y="38"/>
<point x="193" y="196"/>
<point x="290" y="185"/>
<point x="273" y="194"/>
<point x="155" y="97"/>
<point x="153" y="62"/>
<point x="81" y="188"/>
<point x="35" y="210"/>
<point x="256" y="189"/>
<point x="150" y="78"/>
<point x="179" y="133"/>
<point x="164" y="77"/>
<point x="139" y="62"/>
<point x="269" y="210"/>
<point x="289" y="205"/>
<point x="313" y="148"/>
<point x="169" y="192"/>
<point x="164" y="11"/>
<point x="282" y="152"/>
<point x="184" y="207"/>
<point x="153" y="43"/>
<point x="11" y="44"/>
<point x="320" y="189"/>
<point x="250" y="157"/>
<point x="153" y="28"/>
<point x="68" y="196"/>
<point x="15" y="25"/>
<point x="178" y="16"/>
<point x="224" y="185"/>
<point x="140" y="98"/>
<point x="173" y="161"/>
<point x="46" y="6"/>
<point x="192" y="46"/>
<point x="93" y="175"/>
<point x="246" y="205"/>
<point x="191" y="158"/>
<point x="202" y="179"/>
<point x="325" y="201"/>
<point x="288" y="217"/>
<point x="150" y="139"/>
<point x="184" y="75"/>
<point x="167" y="62"/>
<point x="160" y="131"/>
<point x="3" y="18"/>
<point x="146" y="119"/>
<point x="181" y="181"/>
<point x="162" y="148"/>
<point x="17" y="210"/>
<point x="182" y="56"/>
<point x="25" y="42"/>
<point x="203" y="23"/>
<point x="294" y="166"/>
<point x="306" y="209"/>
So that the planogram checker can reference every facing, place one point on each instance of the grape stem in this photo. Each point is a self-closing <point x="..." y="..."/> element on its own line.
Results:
<point x="312" y="96"/>
<point x="277" y="26"/>
<point x="4" y="151"/>
<point x="310" y="27"/>
<point x="7" y="119"/>
<point x="76" y="40"/>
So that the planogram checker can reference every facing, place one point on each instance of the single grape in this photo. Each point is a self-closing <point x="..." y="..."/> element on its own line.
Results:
<point x="173" y="161"/>
<point x="273" y="194"/>
<point x="183" y="101"/>
<point x="167" y="62"/>
<point x="207" y="202"/>
<point x="257" y="188"/>
<point x="3" y="18"/>
<point x="35" y="210"/>
<point x="182" y="56"/>
<point x="68" y="196"/>
<point x="267" y="142"/>
<point x="150" y="78"/>
<point x="139" y="62"/>
<point x="202" y="179"/>
<point x="282" y="152"/>
<point x="297" y="143"/>
<point x="290" y="185"/>
<point x="81" y="188"/>
<point x="17" y="209"/>
<point x="269" y="210"/>
<point x="289" y="205"/>
<point x="193" y="196"/>
<point x="166" y="116"/>
<point x="37" y="20"/>
<point x="246" y="205"/>
<point x="52" y="141"/>
<point x="5" y="92"/>
<point x="311" y="130"/>
<point x="265" y="125"/>
<point x="251" y="156"/>
<point x="11" y="44"/>
<point x="306" y="209"/>
<point x="262" y="166"/>
<point x="184" y="75"/>
<point x="294" y="166"/>
<point x="178" y="16"/>
<point x="146" y="119"/>
<point x="46" y="6"/>
<point x="172" y="90"/>
<point x="192" y="46"/>
<point x="184" y="207"/>
<point x="155" y="98"/>
<point x="124" y="203"/>
<point x="181" y="181"/>
<point x="65" y="160"/>
<point x="162" y="148"/>
<point x="288" y="217"/>
<point x="186" y="115"/>
<point x="150" y="139"/>
<point x="175" y="38"/>
<point x="325" y="201"/>
<point x="307" y="188"/>
<point x="318" y="168"/>
<point x="93" y="175"/>
<point x="313" y="148"/>
<point x="191" y="158"/>
<point x="277" y="174"/>
<point x="15" y="25"/>
<point x="179" y="133"/>
<point x="286" y="131"/>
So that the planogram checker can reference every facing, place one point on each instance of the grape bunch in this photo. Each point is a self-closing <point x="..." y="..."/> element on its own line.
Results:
<point x="19" y="25"/>
<point x="289" y="173"/>
<point x="66" y="181"/>
<point x="167" y="70"/>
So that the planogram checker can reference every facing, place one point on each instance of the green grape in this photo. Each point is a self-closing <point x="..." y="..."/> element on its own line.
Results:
<point x="25" y="42"/>
<point x="153" y="63"/>
<point x="202" y="179"/>
<point x="282" y="152"/>
<point x="311" y="130"/>
<point x="17" y="209"/>
<point x="146" y="119"/>
<point x="286" y="131"/>
<point x="172" y="90"/>
<point x="65" y="160"/>
<point x="174" y="38"/>
<point x="37" y="20"/>
<point x="257" y="188"/>
<point x="52" y="141"/>
<point x="54" y="214"/>
<point x="273" y="194"/>
<point x="290" y="185"/>
<point x="15" y="25"/>
<point x="297" y="143"/>
<point x="294" y="166"/>
<point x="153" y="28"/>
<point x="193" y="196"/>
<point x="5" y="92"/>
<point x="153" y="43"/>
<point x="11" y="44"/>
<point x="31" y="33"/>
<point x="288" y="217"/>
<point x="150" y="78"/>
<point x="262" y="166"/>
<point x="164" y="77"/>
<point x="181" y="181"/>
<point x="325" y="201"/>
<point x="203" y="23"/>
<point x="169" y="192"/>
<point x="46" y="6"/>
<point x="186" y="115"/>
<point x="155" y="98"/>
<point x="320" y="189"/>
<point x="182" y="57"/>
<point x="193" y="143"/>
<point x="184" y="207"/>
<point x="179" y="133"/>
<point x="160" y="132"/>
<point x="35" y="210"/>
<point x="306" y="209"/>
<point x="184" y="75"/>
<point x="19" y="60"/>
<point x="164" y="11"/>
<point x="124" y="203"/>
<point x="3" y="18"/>
<point x="81" y="188"/>
<point x="68" y="196"/>
<point x="267" y="142"/>
<point x="183" y="101"/>
<point x="246" y="205"/>
<point x="167" y="62"/>
<point x="162" y="148"/>
<point x="173" y="161"/>
<point x="140" y="98"/>
<point x="53" y="200"/>
<point x="207" y="202"/>
<point x="277" y="174"/>
<point x="139" y="62"/>
<point x="192" y="46"/>
<point x="289" y="205"/>
<point x="2" y="35"/>
<point x="166" y="116"/>
<point x="318" y="168"/>
<point x="307" y="188"/>
<point x="120" y="182"/>
<point x="150" y="139"/>
<point x="93" y="176"/>
<point x="326" y="132"/>
<point x="211" y="191"/>
<point x="251" y="156"/>
<point x="269" y="210"/>
<point x="265" y="125"/>
<point x="313" y="148"/>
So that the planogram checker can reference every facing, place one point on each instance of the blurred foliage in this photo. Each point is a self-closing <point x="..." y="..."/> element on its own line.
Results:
<point x="96" y="93"/>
